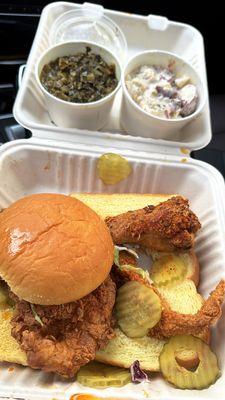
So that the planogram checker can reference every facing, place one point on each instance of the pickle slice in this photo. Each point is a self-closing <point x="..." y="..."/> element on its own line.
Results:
<point x="206" y="373"/>
<point x="5" y="300"/>
<point x="168" y="269"/>
<point x="187" y="358"/>
<point x="138" y="309"/>
<point x="3" y="294"/>
<point x="99" y="375"/>
<point x="112" y="168"/>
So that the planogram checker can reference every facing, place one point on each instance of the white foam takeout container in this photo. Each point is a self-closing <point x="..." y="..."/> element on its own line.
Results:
<point x="55" y="160"/>
<point x="141" y="33"/>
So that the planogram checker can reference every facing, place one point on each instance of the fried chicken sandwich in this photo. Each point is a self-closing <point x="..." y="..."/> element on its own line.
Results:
<point x="55" y="258"/>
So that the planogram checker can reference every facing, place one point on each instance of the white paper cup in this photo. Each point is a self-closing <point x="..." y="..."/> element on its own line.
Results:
<point x="92" y="116"/>
<point x="138" y="122"/>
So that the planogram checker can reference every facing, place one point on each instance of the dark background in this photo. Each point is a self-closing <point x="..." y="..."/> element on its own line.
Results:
<point x="18" y="23"/>
<point x="208" y="17"/>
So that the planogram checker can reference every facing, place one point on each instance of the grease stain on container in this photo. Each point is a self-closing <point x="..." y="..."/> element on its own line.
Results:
<point x="184" y="160"/>
<point x="47" y="381"/>
<point x="90" y="397"/>
<point x="47" y="166"/>
<point x="11" y="369"/>
<point x="145" y="393"/>
<point x="84" y="397"/>
<point x="184" y="150"/>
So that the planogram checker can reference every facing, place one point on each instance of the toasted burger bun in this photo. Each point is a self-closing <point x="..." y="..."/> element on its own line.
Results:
<point x="53" y="249"/>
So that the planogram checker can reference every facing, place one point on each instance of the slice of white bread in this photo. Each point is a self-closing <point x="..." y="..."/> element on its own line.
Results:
<point x="9" y="348"/>
<point x="146" y="349"/>
<point x="123" y="351"/>
<point x="110" y="205"/>
<point x="182" y="297"/>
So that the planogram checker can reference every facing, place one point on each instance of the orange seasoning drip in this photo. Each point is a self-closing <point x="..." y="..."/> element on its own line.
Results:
<point x="184" y="150"/>
<point x="6" y="315"/>
<point x="86" y="397"/>
<point x="11" y="369"/>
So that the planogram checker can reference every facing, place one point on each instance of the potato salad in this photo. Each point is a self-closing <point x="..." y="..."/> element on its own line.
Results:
<point x="158" y="91"/>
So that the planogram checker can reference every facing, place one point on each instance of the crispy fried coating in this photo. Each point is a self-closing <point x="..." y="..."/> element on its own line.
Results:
<point x="168" y="226"/>
<point x="173" y="323"/>
<point x="71" y="333"/>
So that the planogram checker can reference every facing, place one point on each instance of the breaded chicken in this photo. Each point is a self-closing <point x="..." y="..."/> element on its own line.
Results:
<point x="173" y="323"/>
<point x="168" y="226"/>
<point x="62" y="338"/>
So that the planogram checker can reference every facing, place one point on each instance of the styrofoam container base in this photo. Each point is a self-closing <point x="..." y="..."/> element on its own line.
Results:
<point x="40" y="165"/>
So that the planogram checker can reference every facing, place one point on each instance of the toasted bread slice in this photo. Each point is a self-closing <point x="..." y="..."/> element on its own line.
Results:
<point x="191" y="261"/>
<point x="122" y="351"/>
<point x="9" y="348"/>
<point x="183" y="297"/>
<point x="110" y="205"/>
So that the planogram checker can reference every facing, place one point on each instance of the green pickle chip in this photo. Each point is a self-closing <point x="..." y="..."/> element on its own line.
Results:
<point x="113" y="168"/>
<point x="97" y="375"/>
<point x="168" y="269"/>
<point x="201" y="377"/>
<point x="138" y="309"/>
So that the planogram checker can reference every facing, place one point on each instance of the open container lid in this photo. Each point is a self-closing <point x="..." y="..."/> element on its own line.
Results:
<point x="158" y="32"/>
<point x="89" y="23"/>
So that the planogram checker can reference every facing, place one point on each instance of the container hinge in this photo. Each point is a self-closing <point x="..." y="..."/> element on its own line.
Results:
<point x="157" y="22"/>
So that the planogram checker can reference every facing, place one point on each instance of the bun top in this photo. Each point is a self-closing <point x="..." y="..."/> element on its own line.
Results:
<point x="53" y="249"/>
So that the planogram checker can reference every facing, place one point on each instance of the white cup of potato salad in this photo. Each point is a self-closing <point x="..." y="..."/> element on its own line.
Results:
<point x="161" y="94"/>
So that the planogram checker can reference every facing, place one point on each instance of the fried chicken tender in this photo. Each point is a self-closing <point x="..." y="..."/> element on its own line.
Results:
<point x="173" y="323"/>
<point x="71" y="333"/>
<point x="168" y="226"/>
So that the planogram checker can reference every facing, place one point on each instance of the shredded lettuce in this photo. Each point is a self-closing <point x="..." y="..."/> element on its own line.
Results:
<point x="137" y="374"/>
<point x="144" y="274"/>
<point x="36" y="316"/>
<point x="117" y="250"/>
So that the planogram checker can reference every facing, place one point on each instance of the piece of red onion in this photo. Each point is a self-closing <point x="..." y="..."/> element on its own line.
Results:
<point x="137" y="375"/>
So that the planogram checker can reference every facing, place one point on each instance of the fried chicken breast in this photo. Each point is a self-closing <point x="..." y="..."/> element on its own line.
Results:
<point x="62" y="338"/>
<point x="168" y="226"/>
